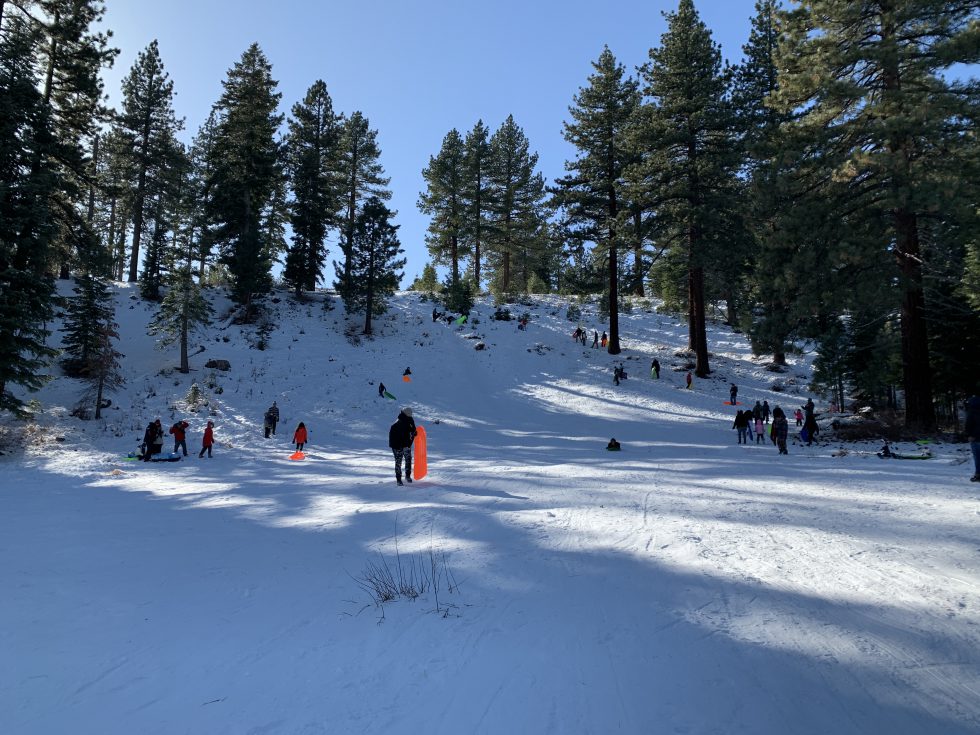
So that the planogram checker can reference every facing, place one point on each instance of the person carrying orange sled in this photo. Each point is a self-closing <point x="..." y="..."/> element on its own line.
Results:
<point x="299" y="436"/>
<point x="401" y="436"/>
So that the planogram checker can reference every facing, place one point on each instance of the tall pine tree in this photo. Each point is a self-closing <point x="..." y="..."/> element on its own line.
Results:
<point x="517" y="196"/>
<point x="593" y="194"/>
<point x="870" y="80"/>
<point x="444" y="202"/>
<point x="362" y="177"/>
<point x="476" y="195"/>
<point x="312" y="148"/>
<point x="375" y="265"/>
<point x="244" y="174"/>
<point x="686" y="138"/>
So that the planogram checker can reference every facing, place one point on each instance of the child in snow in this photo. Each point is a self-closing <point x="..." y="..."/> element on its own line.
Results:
<point x="208" y="441"/>
<point x="780" y="429"/>
<point x="299" y="436"/>
<point x="613" y="445"/>
<point x="604" y="340"/>
<point x="759" y="429"/>
<point x="381" y="390"/>
<point x="179" y="430"/>
<point x="689" y="379"/>
<point x="655" y="368"/>
<point x="799" y="417"/>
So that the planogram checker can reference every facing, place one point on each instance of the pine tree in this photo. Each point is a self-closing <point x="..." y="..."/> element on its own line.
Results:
<point x="312" y="149"/>
<point x="476" y="195"/>
<point x="202" y="156"/>
<point x="362" y="177"/>
<point x="593" y="194"/>
<point x="244" y="173"/>
<point x="686" y="138"/>
<point x="183" y="311"/>
<point x="146" y="127"/>
<point x="27" y="227"/>
<point x="86" y="313"/>
<point x="375" y="264"/>
<point x="443" y="202"/>
<point x="103" y="371"/>
<point x="869" y="81"/>
<point x="517" y="199"/>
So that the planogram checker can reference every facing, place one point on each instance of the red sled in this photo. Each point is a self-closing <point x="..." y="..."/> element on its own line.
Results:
<point x="420" y="464"/>
<point x="297" y="455"/>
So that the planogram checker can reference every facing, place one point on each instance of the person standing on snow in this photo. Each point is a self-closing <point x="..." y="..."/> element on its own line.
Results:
<point x="655" y="368"/>
<point x="733" y="392"/>
<point x="274" y="415"/>
<point x="208" y="441"/>
<point x="972" y="429"/>
<point x="179" y="430"/>
<point x="595" y="339"/>
<point x="765" y="411"/>
<point x="780" y="429"/>
<point x="757" y="410"/>
<point x="401" y="436"/>
<point x="299" y="436"/>
<point x="690" y="379"/>
<point x="150" y="443"/>
<point x="741" y="423"/>
<point x="603" y="340"/>
<point x="759" y="430"/>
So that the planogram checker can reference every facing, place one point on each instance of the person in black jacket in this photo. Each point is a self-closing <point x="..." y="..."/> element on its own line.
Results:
<point x="972" y="429"/>
<point x="401" y="435"/>
<point x="742" y="424"/>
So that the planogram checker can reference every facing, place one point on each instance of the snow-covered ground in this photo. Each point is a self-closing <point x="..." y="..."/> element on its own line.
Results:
<point x="683" y="585"/>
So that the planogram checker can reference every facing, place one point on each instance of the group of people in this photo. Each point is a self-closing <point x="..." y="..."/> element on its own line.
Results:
<point x="757" y="418"/>
<point x="582" y="336"/>
<point x="153" y="439"/>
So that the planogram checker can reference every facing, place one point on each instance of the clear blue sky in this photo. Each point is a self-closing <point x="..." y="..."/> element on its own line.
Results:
<point x="415" y="69"/>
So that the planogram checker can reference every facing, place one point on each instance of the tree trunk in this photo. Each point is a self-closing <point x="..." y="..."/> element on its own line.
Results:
<point x="701" y="368"/>
<point x="638" y="255"/>
<point x="920" y="412"/>
<point x="370" y="291"/>
<point x="91" y="188"/>
<point x="184" y="363"/>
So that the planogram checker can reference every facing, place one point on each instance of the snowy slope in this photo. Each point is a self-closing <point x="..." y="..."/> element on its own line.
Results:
<point x="683" y="585"/>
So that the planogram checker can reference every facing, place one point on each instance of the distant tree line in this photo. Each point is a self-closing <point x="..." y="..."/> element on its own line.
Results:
<point x="824" y="190"/>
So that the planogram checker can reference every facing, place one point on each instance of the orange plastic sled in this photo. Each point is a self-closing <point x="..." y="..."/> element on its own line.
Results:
<point x="406" y="379"/>
<point x="420" y="465"/>
<point x="297" y="455"/>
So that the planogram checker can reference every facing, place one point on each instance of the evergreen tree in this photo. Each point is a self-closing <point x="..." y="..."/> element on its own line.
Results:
<point x="86" y="313"/>
<point x="27" y="227"/>
<point x="244" y="174"/>
<point x="199" y="186"/>
<point x="476" y="194"/>
<point x="443" y="202"/>
<point x="593" y="194"/>
<point x="375" y="263"/>
<point x="868" y="80"/>
<point x="311" y="151"/>
<point x="183" y="311"/>
<point x="146" y="127"/>
<point x="103" y="371"/>
<point x="517" y="209"/>
<point x="689" y="155"/>
<point x="362" y="177"/>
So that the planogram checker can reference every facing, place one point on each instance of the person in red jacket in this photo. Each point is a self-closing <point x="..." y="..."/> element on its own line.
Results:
<point x="208" y="440"/>
<point x="179" y="430"/>
<point x="299" y="436"/>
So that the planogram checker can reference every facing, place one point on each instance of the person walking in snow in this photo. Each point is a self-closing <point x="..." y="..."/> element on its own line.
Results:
<point x="299" y="436"/>
<point x="799" y="417"/>
<point x="733" y="392"/>
<point x="274" y="415"/>
<point x="208" y="441"/>
<point x="152" y="440"/>
<point x="655" y="368"/>
<point x="690" y="379"/>
<point x="757" y="410"/>
<point x="760" y="429"/>
<point x="595" y="339"/>
<point x="179" y="430"/>
<point x="741" y="423"/>
<point x="401" y="436"/>
<point x="381" y="390"/>
<point x="267" y="424"/>
<point x="780" y="429"/>
<point x="604" y="340"/>
<point x="810" y="428"/>
<point x="765" y="411"/>
<point x="972" y="430"/>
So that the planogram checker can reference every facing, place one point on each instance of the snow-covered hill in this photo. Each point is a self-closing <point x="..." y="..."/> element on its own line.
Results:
<point x="683" y="585"/>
